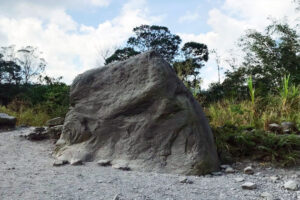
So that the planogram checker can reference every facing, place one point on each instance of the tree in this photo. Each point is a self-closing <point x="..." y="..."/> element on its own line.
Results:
<point x="9" y="72"/>
<point x="146" y="38"/>
<point x="121" y="54"/>
<point x="271" y="55"/>
<point x="31" y="62"/>
<point x="188" y="70"/>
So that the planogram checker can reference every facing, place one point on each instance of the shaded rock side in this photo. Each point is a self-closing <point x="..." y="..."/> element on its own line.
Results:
<point x="55" y="121"/>
<point x="7" y="121"/>
<point x="137" y="112"/>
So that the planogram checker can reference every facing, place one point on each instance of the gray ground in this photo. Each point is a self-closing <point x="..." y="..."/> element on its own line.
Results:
<point x="26" y="172"/>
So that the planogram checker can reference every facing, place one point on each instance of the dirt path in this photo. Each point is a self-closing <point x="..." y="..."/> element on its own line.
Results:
<point x="26" y="172"/>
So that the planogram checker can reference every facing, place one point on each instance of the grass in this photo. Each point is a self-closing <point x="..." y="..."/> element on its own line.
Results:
<point x="235" y="143"/>
<point x="26" y="115"/>
<point x="231" y="121"/>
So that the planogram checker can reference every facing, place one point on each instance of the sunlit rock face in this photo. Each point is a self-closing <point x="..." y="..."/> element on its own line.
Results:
<point x="139" y="114"/>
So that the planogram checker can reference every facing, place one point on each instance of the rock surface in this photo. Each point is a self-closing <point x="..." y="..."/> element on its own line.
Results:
<point x="7" y="121"/>
<point x="54" y="132"/>
<point x="138" y="112"/>
<point x="55" y="121"/>
<point x="36" y="134"/>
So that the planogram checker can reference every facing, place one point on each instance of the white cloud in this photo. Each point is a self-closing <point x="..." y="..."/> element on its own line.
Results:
<point x="231" y="21"/>
<point x="188" y="17"/>
<point x="69" y="48"/>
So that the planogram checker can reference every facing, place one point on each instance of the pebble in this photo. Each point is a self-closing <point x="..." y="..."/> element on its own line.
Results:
<point x="123" y="167"/>
<point x="76" y="162"/>
<point x="104" y="163"/>
<point x="185" y="180"/>
<point x="229" y="170"/>
<point x="217" y="173"/>
<point x="249" y="170"/>
<point x="224" y="166"/>
<point x="60" y="163"/>
<point x="291" y="185"/>
<point x="274" y="178"/>
<point x="267" y="196"/>
<point x="239" y="179"/>
<point x="249" y="186"/>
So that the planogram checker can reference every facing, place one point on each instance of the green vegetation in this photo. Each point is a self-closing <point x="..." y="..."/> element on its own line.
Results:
<point x="24" y="92"/>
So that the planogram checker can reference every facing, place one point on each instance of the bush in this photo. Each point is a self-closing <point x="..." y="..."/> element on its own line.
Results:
<point x="27" y="116"/>
<point x="238" y="143"/>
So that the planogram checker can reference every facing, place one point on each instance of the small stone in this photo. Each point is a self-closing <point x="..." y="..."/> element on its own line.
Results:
<point x="217" y="173"/>
<point x="76" y="162"/>
<point x="291" y="185"/>
<point x="274" y="127"/>
<point x="267" y="196"/>
<point x="274" y="178"/>
<point x="239" y="179"/>
<point x="224" y="166"/>
<point x="288" y="127"/>
<point x="104" y="163"/>
<point x="60" y="163"/>
<point x="229" y="170"/>
<point x="185" y="180"/>
<point x="249" y="186"/>
<point x="38" y="133"/>
<point x="249" y="170"/>
<point x="123" y="167"/>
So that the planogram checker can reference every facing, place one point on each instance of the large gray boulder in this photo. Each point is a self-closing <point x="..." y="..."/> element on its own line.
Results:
<point x="137" y="112"/>
<point x="7" y="121"/>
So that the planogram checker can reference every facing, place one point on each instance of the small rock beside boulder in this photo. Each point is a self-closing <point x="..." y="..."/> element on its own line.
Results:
<point x="55" y="127"/>
<point x="7" y="121"/>
<point x="104" y="163"/>
<point x="55" y="122"/>
<point x="38" y="133"/>
<point x="53" y="131"/>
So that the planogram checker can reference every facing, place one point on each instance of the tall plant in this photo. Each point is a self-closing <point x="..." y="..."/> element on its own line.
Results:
<point x="251" y="89"/>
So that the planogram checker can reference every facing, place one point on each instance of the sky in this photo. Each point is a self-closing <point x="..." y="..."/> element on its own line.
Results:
<point x="73" y="34"/>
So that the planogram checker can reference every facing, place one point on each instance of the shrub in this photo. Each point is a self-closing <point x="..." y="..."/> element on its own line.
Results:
<point x="28" y="116"/>
<point x="239" y="143"/>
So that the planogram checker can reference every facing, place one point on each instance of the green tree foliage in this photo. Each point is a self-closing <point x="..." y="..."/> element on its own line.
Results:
<point x="158" y="38"/>
<point x="121" y="54"/>
<point x="188" y="70"/>
<point x="10" y="72"/>
<point x="24" y="64"/>
<point x="23" y="86"/>
<point x="269" y="55"/>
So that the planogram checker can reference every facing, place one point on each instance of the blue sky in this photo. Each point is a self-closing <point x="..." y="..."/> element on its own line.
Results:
<point x="73" y="34"/>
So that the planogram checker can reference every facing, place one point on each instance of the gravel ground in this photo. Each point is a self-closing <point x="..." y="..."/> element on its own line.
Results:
<point x="26" y="172"/>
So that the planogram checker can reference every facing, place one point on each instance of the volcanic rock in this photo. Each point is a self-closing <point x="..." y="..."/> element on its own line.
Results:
<point x="138" y="112"/>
